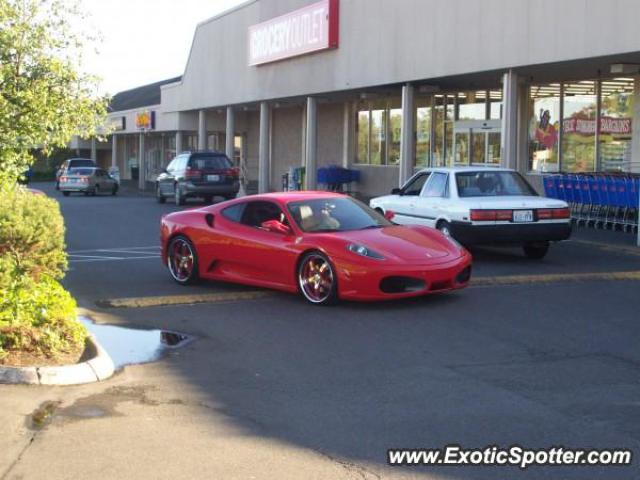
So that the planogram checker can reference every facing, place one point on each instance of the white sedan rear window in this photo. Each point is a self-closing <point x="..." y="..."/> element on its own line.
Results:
<point x="492" y="184"/>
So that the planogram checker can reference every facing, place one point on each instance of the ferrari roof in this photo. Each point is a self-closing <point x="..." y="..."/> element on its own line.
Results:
<point x="297" y="196"/>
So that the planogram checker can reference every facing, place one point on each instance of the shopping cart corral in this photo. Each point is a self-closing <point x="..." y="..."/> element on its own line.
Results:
<point x="601" y="200"/>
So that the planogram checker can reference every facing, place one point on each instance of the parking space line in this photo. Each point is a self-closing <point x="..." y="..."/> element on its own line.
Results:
<point x="112" y="259"/>
<point x="629" y="250"/>
<point x="171" y="300"/>
<point x="168" y="300"/>
<point x="116" y="249"/>
<point x="633" y="275"/>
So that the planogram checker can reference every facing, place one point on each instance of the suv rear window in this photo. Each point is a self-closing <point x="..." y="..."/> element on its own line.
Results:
<point x="210" y="162"/>
<point x="81" y="171"/>
<point x="81" y="163"/>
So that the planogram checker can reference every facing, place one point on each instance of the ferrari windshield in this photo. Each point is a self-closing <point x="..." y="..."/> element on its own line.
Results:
<point x="334" y="214"/>
<point x="492" y="183"/>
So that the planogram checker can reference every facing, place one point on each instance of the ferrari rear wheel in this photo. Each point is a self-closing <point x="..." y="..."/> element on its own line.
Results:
<point x="317" y="280"/>
<point x="182" y="261"/>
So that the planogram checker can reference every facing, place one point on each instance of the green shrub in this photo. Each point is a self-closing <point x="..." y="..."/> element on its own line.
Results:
<point x="39" y="318"/>
<point x="31" y="236"/>
<point x="37" y="315"/>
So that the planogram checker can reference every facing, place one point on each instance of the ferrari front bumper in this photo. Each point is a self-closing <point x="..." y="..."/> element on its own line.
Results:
<point x="387" y="282"/>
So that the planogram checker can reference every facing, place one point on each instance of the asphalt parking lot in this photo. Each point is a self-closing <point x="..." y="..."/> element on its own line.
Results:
<point x="535" y="353"/>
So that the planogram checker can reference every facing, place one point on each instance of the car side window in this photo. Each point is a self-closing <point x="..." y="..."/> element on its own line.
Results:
<point x="414" y="187"/>
<point x="256" y="213"/>
<point x="437" y="185"/>
<point x="234" y="212"/>
<point x="172" y="165"/>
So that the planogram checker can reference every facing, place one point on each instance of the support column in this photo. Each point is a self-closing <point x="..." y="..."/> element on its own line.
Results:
<point x="141" y="163"/>
<point x="635" y="137"/>
<point x="523" y="130"/>
<point x="231" y="133"/>
<point x="114" y="150"/>
<point x="407" y="155"/>
<point x="94" y="149"/>
<point x="348" y="134"/>
<point x="311" y="151"/>
<point x="178" y="142"/>
<point x="263" y="149"/>
<point x="202" y="130"/>
<point x="509" y="140"/>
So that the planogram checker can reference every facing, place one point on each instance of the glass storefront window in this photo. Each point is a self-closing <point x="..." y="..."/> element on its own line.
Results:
<point x="495" y="107"/>
<point x="544" y="128"/>
<point x="395" y="133"/>
<point x="423" y="132"/>
<point x="377" y="146"/>
<point x="362" y="126"/>
<point x="472" y="105"/>
<point x="579" y="127"/>
<point x="616" y="119"/>
<point x="438" y="141"/>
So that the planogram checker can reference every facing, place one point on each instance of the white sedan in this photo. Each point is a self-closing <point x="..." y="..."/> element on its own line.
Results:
<point x="479" y="206"/>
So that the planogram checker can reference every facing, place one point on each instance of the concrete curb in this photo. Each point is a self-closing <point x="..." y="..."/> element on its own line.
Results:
<point x="99" y="367"/>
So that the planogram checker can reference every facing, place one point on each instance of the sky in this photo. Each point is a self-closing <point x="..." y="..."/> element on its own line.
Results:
<point x="143" y="41"/>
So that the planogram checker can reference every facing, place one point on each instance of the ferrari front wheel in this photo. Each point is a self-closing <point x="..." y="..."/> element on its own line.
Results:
<point x="317" y="279"/>
<point x="182" y="261"/>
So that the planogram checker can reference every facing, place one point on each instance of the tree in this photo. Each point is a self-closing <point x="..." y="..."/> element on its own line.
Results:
<point x="45" y="98"/>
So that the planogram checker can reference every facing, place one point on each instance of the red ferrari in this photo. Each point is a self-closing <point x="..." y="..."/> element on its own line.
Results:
<point x="325" y="245"/>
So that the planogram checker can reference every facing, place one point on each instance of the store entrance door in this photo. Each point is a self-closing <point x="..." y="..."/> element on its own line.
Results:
<point x="476" y="143"/>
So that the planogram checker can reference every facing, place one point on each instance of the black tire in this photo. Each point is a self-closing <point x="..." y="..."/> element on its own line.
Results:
<point x="178" y="196"/>
<point x="66" y="194"/>
<point x="182" y="273"/>
<point x="57" y="185"/>
<point x="444" y="227"/>
<point x="159" y="197"/>
<point x="114" y="190"/>
<point x="208" y="199"/>
<point x="536" y="251"/>
<point x="96" y="190"/>
<point x="313" y="291"/>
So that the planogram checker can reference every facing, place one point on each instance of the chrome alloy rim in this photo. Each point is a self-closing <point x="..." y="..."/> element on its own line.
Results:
<point x="316" y="278"/>
<point x="181" y="260"/>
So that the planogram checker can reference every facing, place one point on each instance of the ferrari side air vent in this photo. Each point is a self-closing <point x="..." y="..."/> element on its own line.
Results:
<point x="210" y="219"/>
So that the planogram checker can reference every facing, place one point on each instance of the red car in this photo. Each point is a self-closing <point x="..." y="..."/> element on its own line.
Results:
<point x="324" y="245"/>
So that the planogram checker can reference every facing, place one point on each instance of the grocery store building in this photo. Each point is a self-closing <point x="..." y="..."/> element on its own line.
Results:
<point x="386" y="87"/>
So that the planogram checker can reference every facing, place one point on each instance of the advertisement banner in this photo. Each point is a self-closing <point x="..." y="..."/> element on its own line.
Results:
<point x="608" y="125"/>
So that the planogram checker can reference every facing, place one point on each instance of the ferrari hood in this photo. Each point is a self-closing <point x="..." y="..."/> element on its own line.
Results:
<point x="402" y="243"/>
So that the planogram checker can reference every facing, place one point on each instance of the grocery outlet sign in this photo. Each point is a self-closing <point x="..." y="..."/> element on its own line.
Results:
<point x="310" y="29"/>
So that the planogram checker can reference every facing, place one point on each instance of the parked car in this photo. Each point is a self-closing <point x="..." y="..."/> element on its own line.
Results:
<point x="480" y="206"/>
<point x="326" y="246"/>
<point x="72" y="163"/>
<point x="198" y="174"/>
<point x="90" y="181"/>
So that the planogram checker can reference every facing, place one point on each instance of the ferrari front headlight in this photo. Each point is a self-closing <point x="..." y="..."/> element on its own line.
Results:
<point x="364" y="251"/>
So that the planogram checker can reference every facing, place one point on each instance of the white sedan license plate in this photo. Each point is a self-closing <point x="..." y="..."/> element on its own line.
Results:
<point x="521" y="216"/>
<point x="213" y="178"/>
